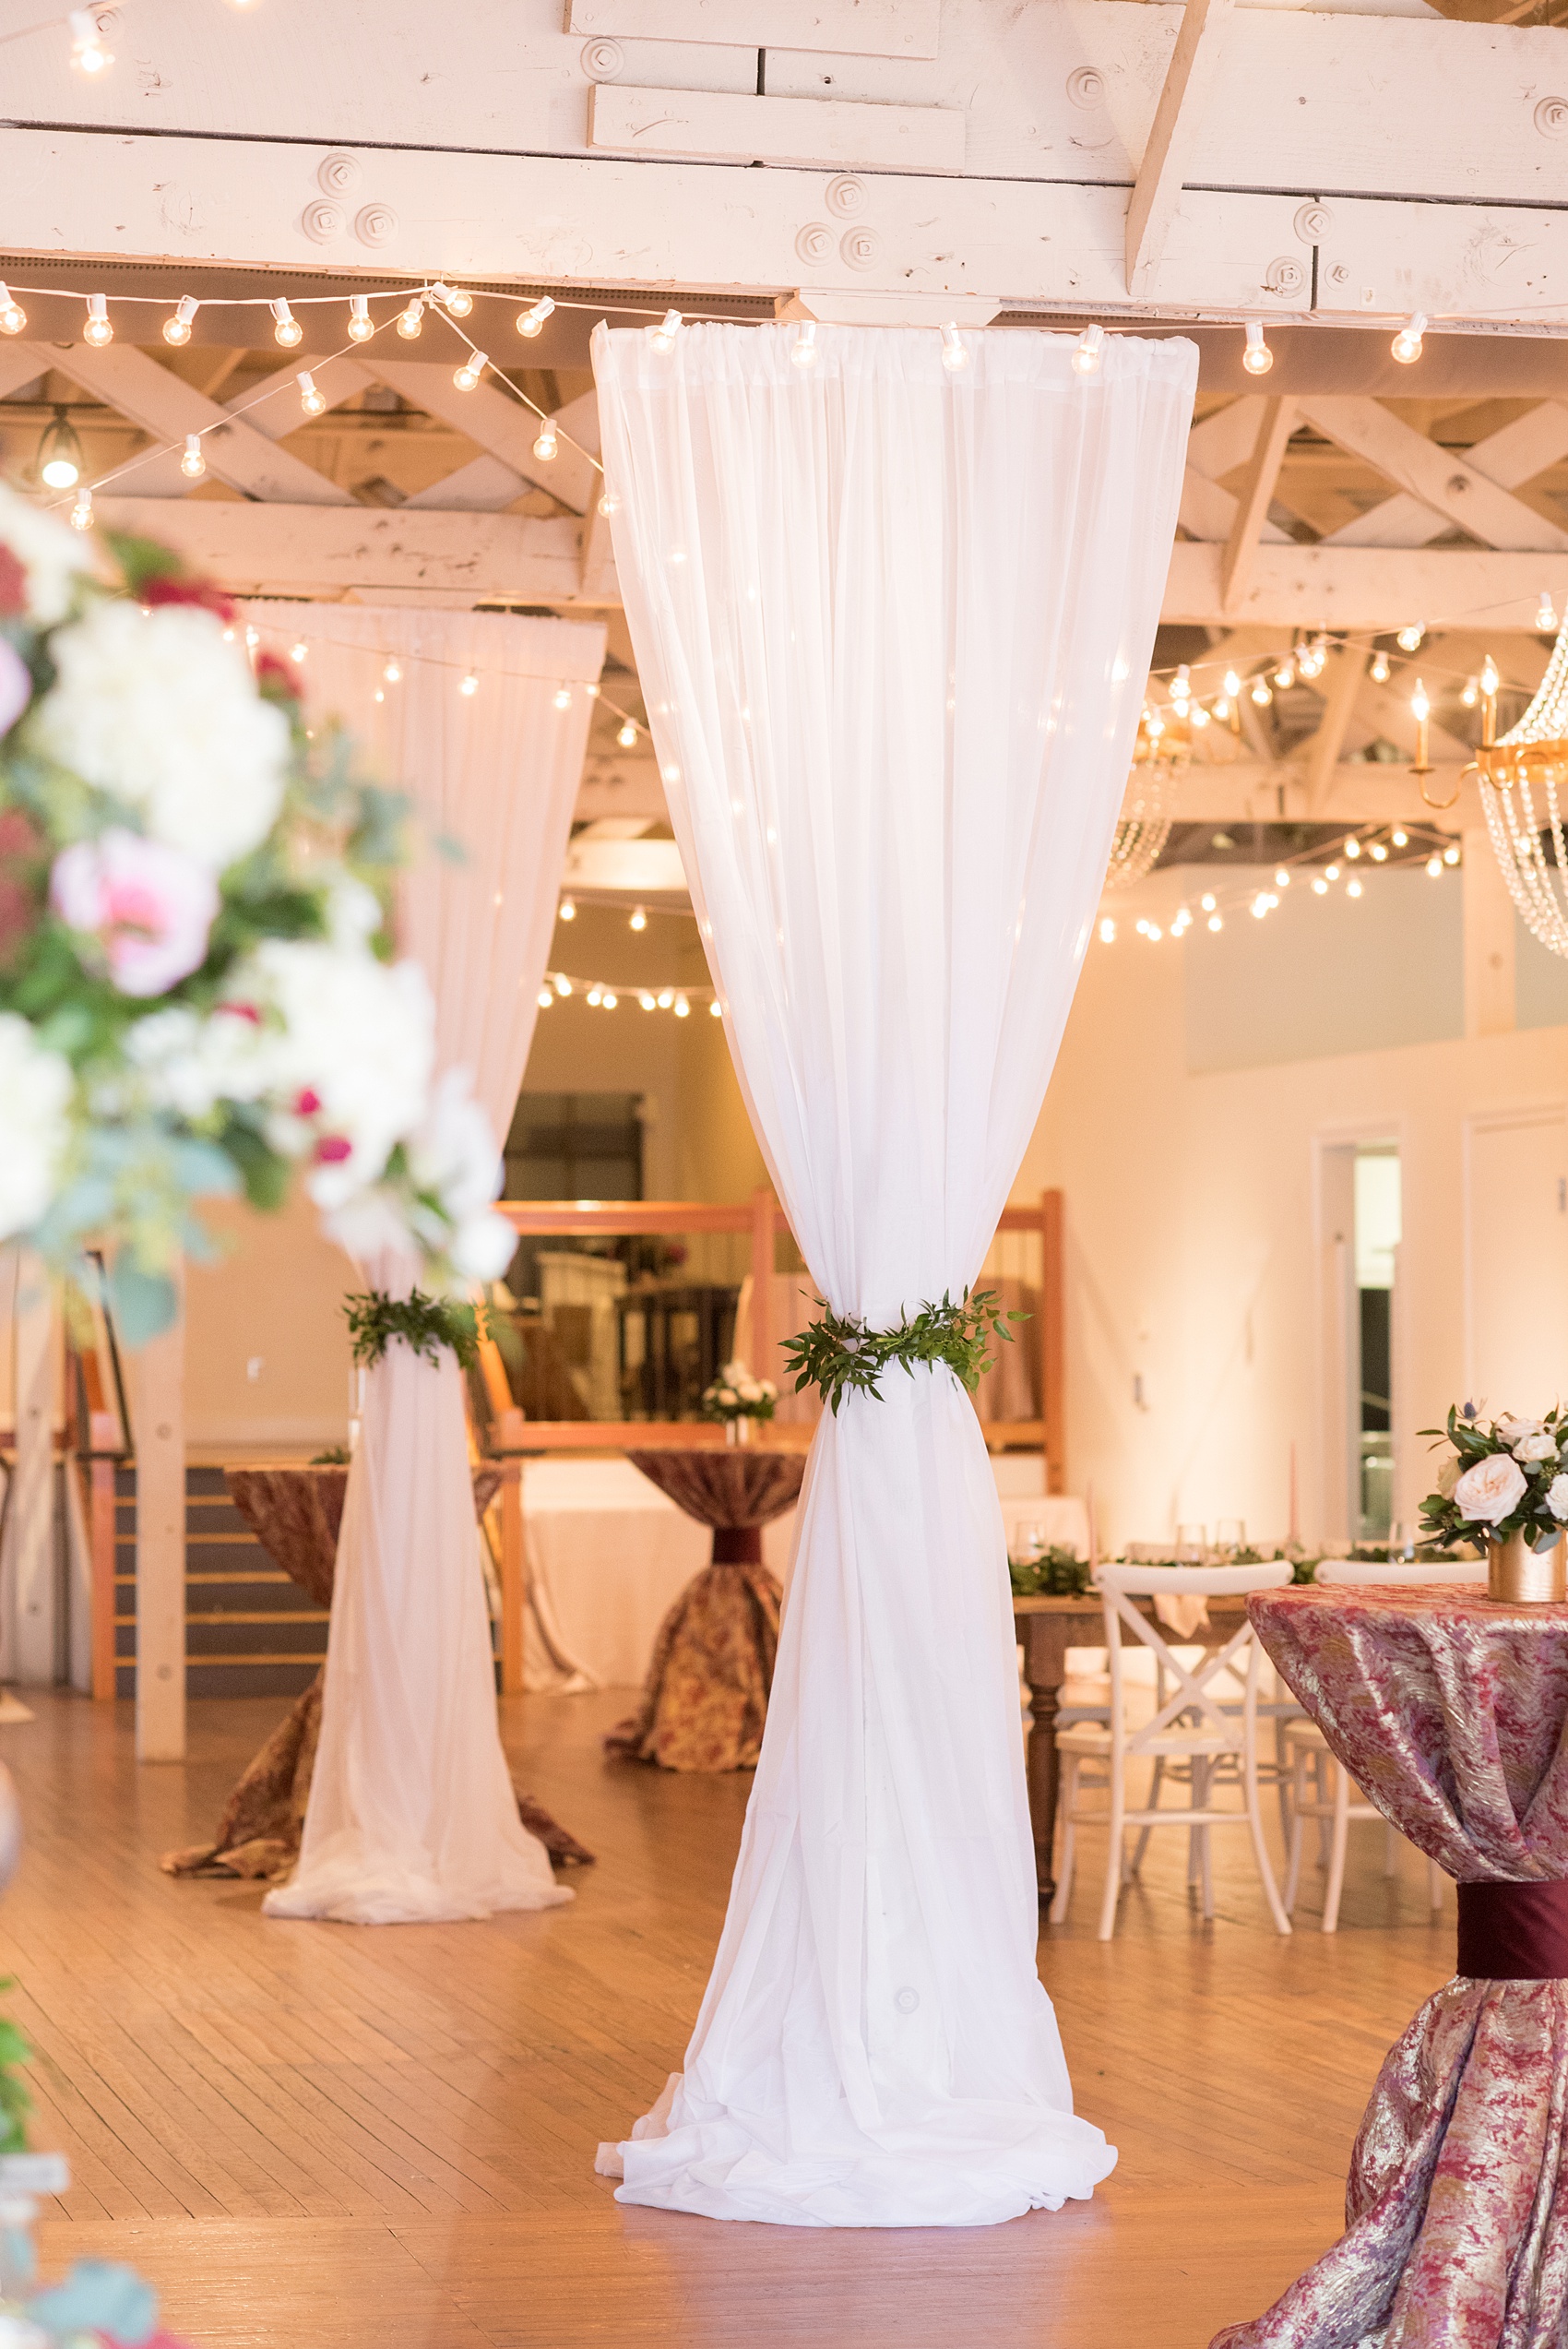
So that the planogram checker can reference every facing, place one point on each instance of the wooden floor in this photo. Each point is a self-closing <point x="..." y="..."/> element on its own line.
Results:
<point x="327" y="2137"/>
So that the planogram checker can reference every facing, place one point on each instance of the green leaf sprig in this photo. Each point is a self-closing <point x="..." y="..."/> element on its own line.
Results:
<point x="839" y="1355"/>
<point x="423" y="1323"/>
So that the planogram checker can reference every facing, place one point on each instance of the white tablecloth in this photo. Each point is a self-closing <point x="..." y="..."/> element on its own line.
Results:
<point x="608" y="1554"/>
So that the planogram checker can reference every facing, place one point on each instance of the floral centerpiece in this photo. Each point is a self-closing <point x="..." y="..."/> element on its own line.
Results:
<point x="1504" y="1483"/>
<point x="738" y="1399"/>
<point x="199" y="989"/>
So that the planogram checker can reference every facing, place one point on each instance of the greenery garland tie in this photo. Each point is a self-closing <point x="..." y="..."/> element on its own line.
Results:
<point x="423" y="1323"/>
<point x="839" y="1355"/>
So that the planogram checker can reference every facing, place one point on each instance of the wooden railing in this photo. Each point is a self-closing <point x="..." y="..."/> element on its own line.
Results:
<point x="759" y="1217"/>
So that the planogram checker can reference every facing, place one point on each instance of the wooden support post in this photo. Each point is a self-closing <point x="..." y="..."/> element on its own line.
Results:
<point x="1274" y="426"/>
<point x="514" y="1579"/>
<point x="765" y="1209"/>
<point x="1052" y="1344"/>
<point x="161" y="1544"/>
<point x="100" y="1532"/>
<point x="30" y="1578"/>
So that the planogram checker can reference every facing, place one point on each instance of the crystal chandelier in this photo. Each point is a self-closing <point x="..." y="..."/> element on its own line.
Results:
<point x="1519" y="778"/>
<point x="1164" y="744"/>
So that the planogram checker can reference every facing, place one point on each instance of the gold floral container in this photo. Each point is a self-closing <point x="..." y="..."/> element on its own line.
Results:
<point x="1522" y="1577"/>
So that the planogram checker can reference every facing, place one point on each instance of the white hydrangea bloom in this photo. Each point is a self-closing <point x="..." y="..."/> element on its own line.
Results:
<point x="35" y="1091"/>
<point x="454" y="1154"/>
<point x="158" y="709"/>
<point x="53" y="555"/>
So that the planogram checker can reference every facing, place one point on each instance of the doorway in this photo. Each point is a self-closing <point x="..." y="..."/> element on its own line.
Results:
<point x="1517" y="1260"/>
<point x="1362" y="1202"/>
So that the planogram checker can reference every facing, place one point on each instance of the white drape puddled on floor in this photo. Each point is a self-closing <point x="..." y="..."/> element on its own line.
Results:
<point x="412" y="1816"/>
<point x="893" y="625"/>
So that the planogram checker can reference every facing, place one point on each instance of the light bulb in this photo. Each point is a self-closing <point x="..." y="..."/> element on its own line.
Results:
<point x="610" y="998"/>
<point x="1434" y="868"/>
<point x="1410" y="639"/>
<point x="595" y="997"/>
<point x="682" y="1008"/>
<point x="1215" y="921"/>
<point x="410" y="321"/>
<point x="562" y="985"/>
<point x="1379" y="854"/>
<point x="193" y="464"/>
<point x="1282" y="879"/>
<point x="1352" y="889"/>
<point x="1407" y="344"/>
<point x="177" y="329"/>
<point x="97" y="331"/>
<point x="1546" y="614"/>
<point x="286" y="327"/>
<point x="13" y="317"/>
<point x="59" y="474"/>
<point x="392" y="673"/>
<point x="1489" y="675"/>
<point x="638" y="919"/>
<point x="361" y="325"/>
<point x="379" y="695"/>
<point x="1470" y="694"/>
<point x="470" y="371"/>
<point x="1400" y="838"/>
<point x="954" y="354"/>
<point x="1378" y="673"/>
<point x="608" y="502"/>
<point x="469" y="684"/>
<point x="1352" y="848"/>
<point x="1153" y="932"/>
<point x="1222" y="710"/>
<point x="1086" y="358"/>
<point x="1451" y="853"/>
<point x="1420" y="705"/>
<point x="81" y="512"/>
<point x="1200" y="715"/>
<point x="1208" y="901"/>
<point x="458" y="300"/>
<point x="567" y="910"/>
<point x="592" y="689"/>
<point x="531" y="322"/>
<point x="668" y="327"/>
<point x="1232" y="683"/>
<point x="1331" y="872"/>
<point x="666" y="997"/>
<point x="1108" y="932"/>
<point x="1284" y="676"/>
<point x="1257" y="358"/>
<point x="87" y="52"/>
<point x="804" y="349"/>
<point x="628" y="737"/>
<point x="562" y="697"/>
<point x="1320" y="888"/>
<point x="646" y="1001"/>
<point x="1262" y="694"/>
<point x="299" y="650"/>
<point x="715" y="1010"/>
<point x="253" y="638"/>
<point x="311" y="401"/>
<point x="544" y="448"/>
<point x="546" y="998"/>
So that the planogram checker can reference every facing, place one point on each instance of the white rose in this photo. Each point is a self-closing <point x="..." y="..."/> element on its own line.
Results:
<point x="1557" y="1498"/>
<point x="728" y="1397"/>
<point x="35" y="1091"/>
<point x="1490" y="1490"/>
<point x="1512" y="1430"/>
<point x="52" y="556"/>
<point x="1448" y="1475"/>
<point x="1538" y="1447"/>
<point x="482" y="1246"/>
<point x="191" y="1064"/>
<point x="769" y="1391"/>
<point x="734" y="1372"/>
<point x="159" y="711"/>
<point x="750" y="1392"/>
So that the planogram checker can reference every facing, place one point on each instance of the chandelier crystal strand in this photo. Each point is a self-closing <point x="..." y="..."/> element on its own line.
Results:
<point x="1533" y="755"/>
<point x="1162" y="747"/>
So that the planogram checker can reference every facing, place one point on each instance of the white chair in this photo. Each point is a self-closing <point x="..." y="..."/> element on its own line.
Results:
<point x="1327" y="1799"/>
<point x="1187" y="1726"/>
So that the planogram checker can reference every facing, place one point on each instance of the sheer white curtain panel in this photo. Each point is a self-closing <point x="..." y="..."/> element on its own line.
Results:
<point x="412" y="1816"/>
<point x="892" y="624"/>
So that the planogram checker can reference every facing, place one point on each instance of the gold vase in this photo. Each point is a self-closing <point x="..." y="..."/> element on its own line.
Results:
<point x="1522" y="1577"/>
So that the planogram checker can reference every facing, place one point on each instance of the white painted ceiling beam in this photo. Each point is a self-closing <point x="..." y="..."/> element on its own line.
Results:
<point x="720" y="127"/>
<point x="1509" y="457"/>
<point x="856" y="27"/>
<point x="1441" y="479"/>
<point x="1172" y="146"/>
<point x="156" y="398"/>
<point x="1367" y="589"/>
<point x="1357" y="791"/>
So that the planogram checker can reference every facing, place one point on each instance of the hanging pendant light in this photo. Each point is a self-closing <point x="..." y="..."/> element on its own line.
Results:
<point x="1521" y="776"/>
<point x="60" y="459"/>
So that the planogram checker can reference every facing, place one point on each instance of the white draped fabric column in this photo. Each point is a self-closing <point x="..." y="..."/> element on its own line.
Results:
<point x="893" y="625"/>
<point x="412" y="1816"/>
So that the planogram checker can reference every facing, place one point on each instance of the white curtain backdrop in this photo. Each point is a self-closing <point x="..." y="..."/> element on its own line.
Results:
<point x="893" y="625"/>
<point x="411" y="1814"/>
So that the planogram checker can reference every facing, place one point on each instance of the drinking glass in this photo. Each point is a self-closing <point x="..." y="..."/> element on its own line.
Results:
<point x="1190" y="1541"/>
<point x="1231" y="1534"/>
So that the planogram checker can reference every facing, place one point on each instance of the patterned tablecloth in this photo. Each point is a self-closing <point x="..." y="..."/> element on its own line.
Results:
<point x="1449" y="1711"/>
<point x="705" y="1700"/>
<point x="295" y="1513"/>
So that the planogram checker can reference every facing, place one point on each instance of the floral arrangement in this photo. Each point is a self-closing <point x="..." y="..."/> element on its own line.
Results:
<point x="423" y="1323"/>
<point x="199" y="994"/>
<point x="1502" y="1476"/>
<point x="839" y="1355"/>
<point x="735" y="1394"/>
<point x="1055" y="1573"/>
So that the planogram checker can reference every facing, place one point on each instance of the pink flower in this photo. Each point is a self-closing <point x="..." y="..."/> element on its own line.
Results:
<point x="148" y="906"/>
<point x="1487" y="1493"/>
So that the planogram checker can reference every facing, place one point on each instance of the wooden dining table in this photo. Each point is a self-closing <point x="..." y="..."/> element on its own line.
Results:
<point x="1046" y="1630"/>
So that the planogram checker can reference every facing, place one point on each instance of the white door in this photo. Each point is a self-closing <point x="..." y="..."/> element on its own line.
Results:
<point x="1517" y="1268"/>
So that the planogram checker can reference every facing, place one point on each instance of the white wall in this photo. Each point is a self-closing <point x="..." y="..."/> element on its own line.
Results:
<point x="1193" y="1254"/>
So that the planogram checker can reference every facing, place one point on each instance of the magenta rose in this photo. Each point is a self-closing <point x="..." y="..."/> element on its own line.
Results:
<point x="149" y="907"/>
